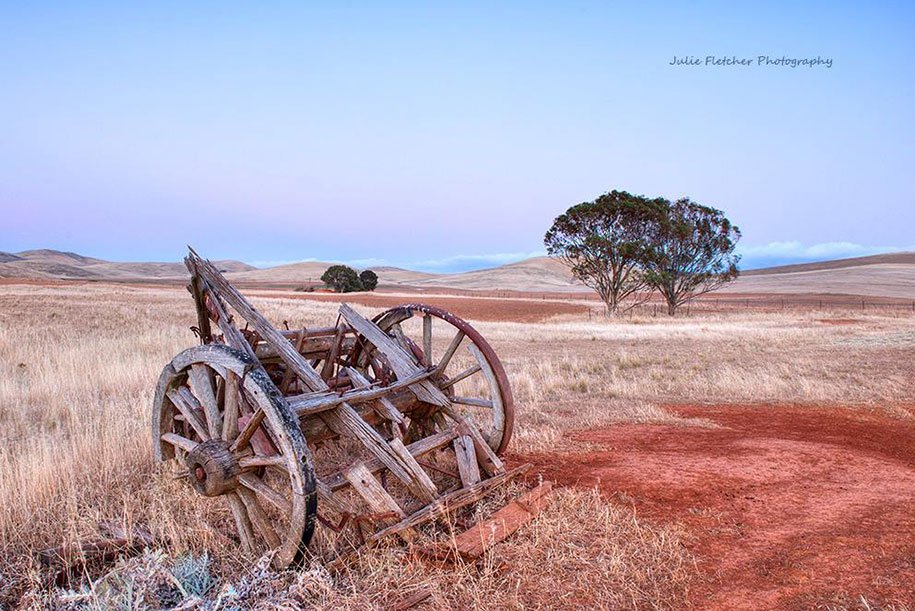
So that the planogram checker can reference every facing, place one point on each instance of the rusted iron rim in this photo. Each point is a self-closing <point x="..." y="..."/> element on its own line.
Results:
<point x="405" y="311"/>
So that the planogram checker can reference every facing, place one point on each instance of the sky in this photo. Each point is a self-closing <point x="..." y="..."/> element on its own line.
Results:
<point x="447" y="137"/>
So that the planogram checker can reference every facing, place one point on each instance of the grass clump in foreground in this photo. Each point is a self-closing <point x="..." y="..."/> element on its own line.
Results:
<point x="582" y="552"/>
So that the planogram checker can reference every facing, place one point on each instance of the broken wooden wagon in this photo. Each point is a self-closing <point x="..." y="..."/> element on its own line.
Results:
<point x="373" y="425"/>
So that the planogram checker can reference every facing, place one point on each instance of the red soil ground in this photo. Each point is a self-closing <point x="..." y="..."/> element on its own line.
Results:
<point x="519" y="310"/>
<point x="785" y="507"/>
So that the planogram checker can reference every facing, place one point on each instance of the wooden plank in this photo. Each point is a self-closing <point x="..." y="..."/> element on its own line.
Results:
<point x="475" y="541"/>
<point x="376" y="497"/>
<point x="468" y="467"/>
<point x="407" y="471"/>
<point x="382" y="405"/>
<point x="328" y="368"/>
<point x="417" y="449"/>
<point x="274" y="338"/>
<point x="312" y="403"/>
<point x="449" y="503"/>
<point x="401" y="362"/>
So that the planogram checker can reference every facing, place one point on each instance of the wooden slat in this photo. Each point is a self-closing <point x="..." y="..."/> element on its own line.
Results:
<point x="313" y="403"/>
<point x="328" y="369"/>
<point x="401" y="362"/>
<point x="449" y="503"/>
<point x="407" y="471"/>
<point x="416" y="449"/>
<point x="468" y="467"/>
<point x="382" y="405"/>
<point x="375" y="496"/>
<point x="475" y="541"/>
<point x="274" y="338"/>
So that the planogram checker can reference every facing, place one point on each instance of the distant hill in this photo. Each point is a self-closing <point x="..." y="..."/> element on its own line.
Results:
<point x="58" y="265"/>
<point x="537" y="274"/>
<point x="891" y="275"/>
<point x="309" y="272"/>
<point x="896" y="258"/>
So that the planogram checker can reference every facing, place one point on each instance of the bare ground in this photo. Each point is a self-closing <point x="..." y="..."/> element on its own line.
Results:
<point x="787" y="507"/>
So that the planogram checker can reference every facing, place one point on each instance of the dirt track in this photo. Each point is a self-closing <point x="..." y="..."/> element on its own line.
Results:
<point x="786" y="507"/>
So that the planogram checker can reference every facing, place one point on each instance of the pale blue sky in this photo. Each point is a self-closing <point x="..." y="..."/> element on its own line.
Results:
<point x="446" y="137"/>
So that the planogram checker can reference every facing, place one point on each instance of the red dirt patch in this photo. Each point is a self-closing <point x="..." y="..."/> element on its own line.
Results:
<point x="787" y="507"/>
<point x="519" y="310"/>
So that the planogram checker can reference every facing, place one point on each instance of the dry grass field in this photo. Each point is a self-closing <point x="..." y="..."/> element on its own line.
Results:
<point x="78" y="364"/>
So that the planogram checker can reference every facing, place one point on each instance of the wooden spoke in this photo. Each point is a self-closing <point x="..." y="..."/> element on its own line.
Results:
<point x="259" y="517"/>
<point x="231" y="411"/>
<point x="498" y="409"/>
<point x="461" y="376"/>
<point x="245" y="436"/>
<point x="187" y="411"/>
<point x="427" y="339"/>
<point x="202" y="387"/>
<point x="178" y="441"/>
<point x="473" y="402"/>
<point x="267" y="493"/>
<point x="248" y="463"/>
<point x="452" y="348"/>
<point x="242" y="521"/>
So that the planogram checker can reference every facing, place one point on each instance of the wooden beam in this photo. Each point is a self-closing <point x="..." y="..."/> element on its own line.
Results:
<point x="475" y="541"/>
<point x="400" y="361"/>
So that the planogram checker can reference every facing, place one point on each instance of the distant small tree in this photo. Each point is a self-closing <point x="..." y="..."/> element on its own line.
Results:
<point x="369" y="279"/>
<point x="692" y="252"/>
<point x="605" y="242"/>
<point x="342" y="279"/>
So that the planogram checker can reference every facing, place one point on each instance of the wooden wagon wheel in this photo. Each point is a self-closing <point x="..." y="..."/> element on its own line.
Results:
<point x="466" y="368"/>
<point x="218" y="413"/>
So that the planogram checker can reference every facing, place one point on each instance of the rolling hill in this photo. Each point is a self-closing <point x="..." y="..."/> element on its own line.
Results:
<point x="58" y="265"/>
<point x="891" y="275"/>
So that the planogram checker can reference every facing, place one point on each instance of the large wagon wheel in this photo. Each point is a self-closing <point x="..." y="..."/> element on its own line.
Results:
<point x="466" y="368"/>
<point x="218" y="413"/>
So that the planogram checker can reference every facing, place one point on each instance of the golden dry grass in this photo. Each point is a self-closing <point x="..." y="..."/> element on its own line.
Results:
<point x="78" y="365"/>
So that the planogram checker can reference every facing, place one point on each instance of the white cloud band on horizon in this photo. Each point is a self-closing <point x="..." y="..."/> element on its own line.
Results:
<point x="793" y="251"/>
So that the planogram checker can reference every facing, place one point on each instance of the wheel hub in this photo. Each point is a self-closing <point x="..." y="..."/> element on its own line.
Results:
<point x="212" y="469"/>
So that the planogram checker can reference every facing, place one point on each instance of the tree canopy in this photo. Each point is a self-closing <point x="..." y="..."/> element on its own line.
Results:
<point x="342" y="279"/>
<point x="693" y="252"/>
<point x="605" y="242"/>
<point x="626" y="246"/>
<point x="369" y="280"/>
